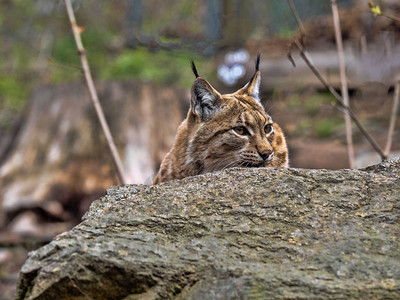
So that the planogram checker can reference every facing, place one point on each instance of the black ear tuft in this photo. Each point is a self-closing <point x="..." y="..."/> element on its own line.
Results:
<point x="194" y="69"/>
<point x="258" y="62"/>
<point x="257" y="69"/>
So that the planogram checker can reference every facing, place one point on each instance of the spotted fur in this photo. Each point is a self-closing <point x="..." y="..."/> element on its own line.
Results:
<point x="224" y="131"/>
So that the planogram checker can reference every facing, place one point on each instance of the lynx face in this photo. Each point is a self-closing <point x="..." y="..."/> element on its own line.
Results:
<point x="240" y="135"/>
<point x="224" y="131"/>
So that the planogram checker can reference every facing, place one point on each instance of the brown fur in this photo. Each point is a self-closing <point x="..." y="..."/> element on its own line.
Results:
<point x="210" y="138"/>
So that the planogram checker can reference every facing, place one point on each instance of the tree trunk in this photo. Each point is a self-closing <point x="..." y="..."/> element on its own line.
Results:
<point x="59" y="162"/>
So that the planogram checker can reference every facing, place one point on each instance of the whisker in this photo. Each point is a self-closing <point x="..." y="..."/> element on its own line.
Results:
<point x="222" y="165"/>
<point x="226" y="165"/>
<point x="229" y="165"/>
<point x="275" y="114"/>
<point x="270" y="106"/>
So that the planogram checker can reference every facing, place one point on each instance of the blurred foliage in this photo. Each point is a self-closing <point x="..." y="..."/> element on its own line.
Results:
<point x="170" y="14"/>
<point x="302" y="128"/>
<point x="37" y="45"/>
<point x="11" y="92"/>
<point x="315" y="116"/>
<point x="293" y="102"/>
<point x="65" y="62"/>
<point x="286" y="33"/>
<point x="313" y="103"/>
<point x="167" y="67"/>
<point x="326" y="128"/>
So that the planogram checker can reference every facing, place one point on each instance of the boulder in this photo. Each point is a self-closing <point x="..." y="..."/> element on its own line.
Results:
<point x="236" y="234"/>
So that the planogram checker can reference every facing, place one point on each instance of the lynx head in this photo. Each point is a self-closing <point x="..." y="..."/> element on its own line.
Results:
<point x="223" y="131"/>
<point x="231" y="130"/>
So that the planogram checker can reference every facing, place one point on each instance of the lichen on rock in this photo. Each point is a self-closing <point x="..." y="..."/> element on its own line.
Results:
<point x="235" y="234"/>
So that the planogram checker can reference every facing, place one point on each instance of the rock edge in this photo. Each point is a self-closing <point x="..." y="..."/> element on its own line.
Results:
<point x="235" y="234"/>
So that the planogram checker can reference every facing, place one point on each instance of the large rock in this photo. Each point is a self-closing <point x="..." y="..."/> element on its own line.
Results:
<point x="235" y="234"/>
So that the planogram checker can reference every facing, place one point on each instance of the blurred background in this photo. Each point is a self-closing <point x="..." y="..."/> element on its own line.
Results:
<point x="53" y="156"/>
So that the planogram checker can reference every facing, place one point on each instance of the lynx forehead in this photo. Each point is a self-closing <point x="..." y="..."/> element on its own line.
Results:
<point x="224" y="131"/>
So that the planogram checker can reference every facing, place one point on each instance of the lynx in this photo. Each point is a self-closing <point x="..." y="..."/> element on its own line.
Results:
<point x="224" y="131"/>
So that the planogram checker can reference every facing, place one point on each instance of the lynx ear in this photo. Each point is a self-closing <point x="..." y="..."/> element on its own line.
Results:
<point x="205" y="100"/>
<point x="253" y="86"/>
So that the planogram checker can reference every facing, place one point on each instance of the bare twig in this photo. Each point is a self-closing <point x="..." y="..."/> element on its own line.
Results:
<point x="93" y="94"/>
<point x="345" y="92"/>
<point x="392" y="123"/>
<point x="317" y="73"/>
<point x="301" y="28"/>
<point x="376" y="10"/>
<point x="391" y="17"/>
<point x="297" y="18"/>
<point x="339" y="99"/>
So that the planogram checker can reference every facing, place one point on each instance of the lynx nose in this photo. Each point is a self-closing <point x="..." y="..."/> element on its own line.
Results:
<point x="265" y="154"/>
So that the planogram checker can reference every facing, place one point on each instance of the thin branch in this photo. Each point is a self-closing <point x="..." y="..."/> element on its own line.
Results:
<point x="345" y="92"/>
<point x="297" y="18"/>
<point x="396" y="99"/>
<point x="317" y="73"/>
<point x="93" y="94"/>
<point x="391" y="17"/>
<point x="302" y="32"/>
<point x="376" y="10"/>
<point x="339" y="99"/>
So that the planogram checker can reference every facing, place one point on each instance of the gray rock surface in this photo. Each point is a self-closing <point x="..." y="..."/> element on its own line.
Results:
<point x="235" y="234"/>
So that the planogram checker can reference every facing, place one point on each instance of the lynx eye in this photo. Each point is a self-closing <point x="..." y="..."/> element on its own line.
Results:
<point x="241" y="130"/>
<point x="268" y="128"/>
